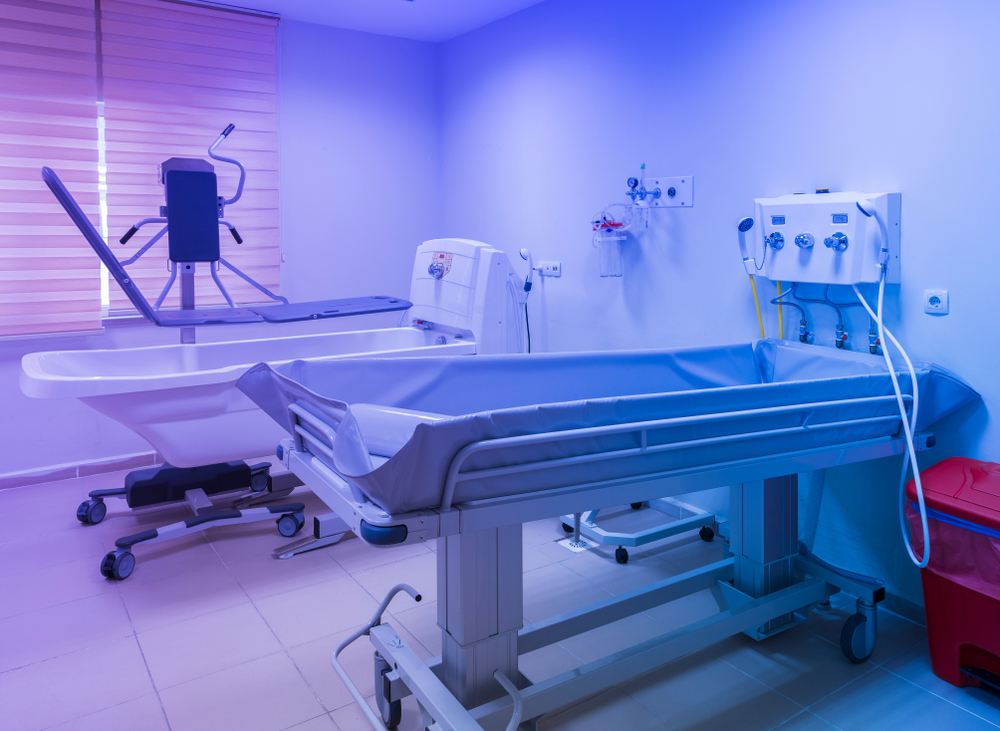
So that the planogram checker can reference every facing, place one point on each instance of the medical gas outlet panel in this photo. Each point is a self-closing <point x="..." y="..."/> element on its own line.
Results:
<point x="828" y="238"/>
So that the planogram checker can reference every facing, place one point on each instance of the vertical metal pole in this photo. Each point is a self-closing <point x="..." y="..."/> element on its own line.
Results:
<point x="764" y="524"/>
<point x="187" y="297"/>
<point x="480" y="610"/>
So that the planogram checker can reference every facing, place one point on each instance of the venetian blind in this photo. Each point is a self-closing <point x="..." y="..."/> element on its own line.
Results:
<point x="174" y="77"/>
<point x="49" y="276"/>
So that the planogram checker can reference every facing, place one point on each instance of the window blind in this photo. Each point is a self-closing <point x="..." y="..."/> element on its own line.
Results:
<point x="174" y="77"/>
<point x="49" y="276"/>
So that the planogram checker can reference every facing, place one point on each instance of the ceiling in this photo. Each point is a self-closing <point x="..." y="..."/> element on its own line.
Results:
<point x="423" y="20"/>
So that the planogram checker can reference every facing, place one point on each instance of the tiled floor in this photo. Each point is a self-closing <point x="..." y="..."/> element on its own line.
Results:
<point x="211" y="633"/>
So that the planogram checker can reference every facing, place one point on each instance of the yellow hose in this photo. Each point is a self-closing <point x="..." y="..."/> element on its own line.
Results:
<point x="760" y="320"/>
<point x="781" y="321"/>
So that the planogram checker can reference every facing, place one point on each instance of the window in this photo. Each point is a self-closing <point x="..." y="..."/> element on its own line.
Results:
<point x="49" y="276"/>
<point x="174" y="77"/>
<point x="168" y="77"/>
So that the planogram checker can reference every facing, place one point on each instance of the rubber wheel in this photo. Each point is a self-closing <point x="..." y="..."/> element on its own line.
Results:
<point x="567" y="527"/>
<point x="391" y="712"/>
<point x="852" y="638"/>
<point x="260" y="482"/>
<point x="621" y="555"/>
<point x="636" y="506"/>
<point x="118" y="565"/>
<point x="706" y="534"/>
<point x="289" y="525"/>
<point x="91" y="512"/>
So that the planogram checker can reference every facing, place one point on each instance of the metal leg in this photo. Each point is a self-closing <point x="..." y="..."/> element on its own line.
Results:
<point x="480" y="610"/>
<point x="764" y="541"/>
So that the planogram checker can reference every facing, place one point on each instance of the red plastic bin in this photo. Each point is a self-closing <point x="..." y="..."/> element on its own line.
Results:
<point x="961" y="583"/>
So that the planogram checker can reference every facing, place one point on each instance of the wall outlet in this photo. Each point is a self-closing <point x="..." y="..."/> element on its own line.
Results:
<point x="936" y="301"/>
<point x="549" y="268"/>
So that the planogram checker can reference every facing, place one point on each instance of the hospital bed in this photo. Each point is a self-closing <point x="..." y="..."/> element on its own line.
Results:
<point x="464" y="451"/>
<point x="182" y="398"/>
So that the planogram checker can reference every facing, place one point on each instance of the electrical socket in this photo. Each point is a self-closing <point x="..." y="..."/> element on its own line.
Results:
<point x="549" y="268"/>
<point x="936" y="301"/>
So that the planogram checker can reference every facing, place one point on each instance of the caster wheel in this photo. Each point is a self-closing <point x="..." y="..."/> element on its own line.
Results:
<point x="260" y="482"/>
<point x="706" y="534"/>
<point x="852" y="639"/>
<point x="636" y="506"/>
<point x="391" y="712"/>
<point x="621" y="555"/>
<point x="289" y="524"/>
<point x="118" y="565"/>
<point x="567" y="527"/>
<point x="91" y="512"/>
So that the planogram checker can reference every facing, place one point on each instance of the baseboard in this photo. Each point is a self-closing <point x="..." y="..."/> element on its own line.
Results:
<point x="53" y="473"/>
<point x="905" y="608"/>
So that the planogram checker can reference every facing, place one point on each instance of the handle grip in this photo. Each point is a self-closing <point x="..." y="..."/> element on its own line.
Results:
<point x="236" y="235"/>
<point x="128" y="234"/>
<point x="227" y="130"/>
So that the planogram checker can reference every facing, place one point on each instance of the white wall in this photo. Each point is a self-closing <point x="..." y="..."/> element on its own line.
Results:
<point x="358" y="136"/>
<point x="546" y="113"/>
<point x="359" y="160"/>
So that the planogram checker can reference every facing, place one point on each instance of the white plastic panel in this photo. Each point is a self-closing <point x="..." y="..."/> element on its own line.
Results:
<point x="824" y="216"/>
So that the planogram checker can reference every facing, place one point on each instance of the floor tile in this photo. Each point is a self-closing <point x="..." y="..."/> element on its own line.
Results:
<point x="552" y="590"/>
<point x="77" y="684"/>
<point x="143" y="713"/>
<point x="542" y="531"/>
<point x="419" y="571"/>
<point x="263" y="576"/>
<point x="533" y="557"/>
<point x="680" y="612"/>
<point x="238" y="542"/>
<point x="265" y="694"/>
<point x="893" y="704"/>
<point x="805" y="721"/>
<point x="612" y="709"/>
<point x="613" y="637"/>
<point x="547" y="662"/>
<point x="355" y="555"/>
<point x="40" y="552"/>
<point x="351" y="718"/>
<point x="796" y="663"/>
<point x="206" y="644"/>
<point x="601" y="568"/>
<point x="700" y="692"/>
<point x="176" y="598"/>
<point x="179" y="557"/>
<point x="34" y="589"/>
<point x="320" y="723"/>
<point x="313" y="661"/>
<point x="895" y="634"/>
<point x="317" y="610"/>
<point x="915" y="665"/>
<point x="63" y="628"/>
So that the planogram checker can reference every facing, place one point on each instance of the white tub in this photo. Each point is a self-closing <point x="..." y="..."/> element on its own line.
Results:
<point x="182" y="398"/>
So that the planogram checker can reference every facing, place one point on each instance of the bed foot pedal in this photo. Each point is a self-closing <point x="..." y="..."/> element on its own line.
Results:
<point x="328" y="529"/>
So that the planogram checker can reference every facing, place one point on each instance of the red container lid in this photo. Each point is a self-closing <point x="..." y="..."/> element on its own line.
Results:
<point x="964" y="488"/>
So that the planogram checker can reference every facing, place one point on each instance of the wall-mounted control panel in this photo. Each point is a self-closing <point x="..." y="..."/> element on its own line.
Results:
<point x="828" y="238"/>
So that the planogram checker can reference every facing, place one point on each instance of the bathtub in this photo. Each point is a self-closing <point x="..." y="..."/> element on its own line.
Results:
<point x="183" y="399"/>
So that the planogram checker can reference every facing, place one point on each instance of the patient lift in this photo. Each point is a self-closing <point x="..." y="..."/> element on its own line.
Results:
<point x="191" y="218"/>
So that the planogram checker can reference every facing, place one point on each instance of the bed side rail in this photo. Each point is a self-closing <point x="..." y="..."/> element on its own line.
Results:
<point x="456" y="473"/>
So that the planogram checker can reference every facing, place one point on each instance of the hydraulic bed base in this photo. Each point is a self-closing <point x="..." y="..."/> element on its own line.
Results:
<point x="761" y="584"/>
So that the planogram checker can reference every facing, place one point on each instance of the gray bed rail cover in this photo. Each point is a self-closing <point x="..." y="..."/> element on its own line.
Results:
<point x="453" y="402"/>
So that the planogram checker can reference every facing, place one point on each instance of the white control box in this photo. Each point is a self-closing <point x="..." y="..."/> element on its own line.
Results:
<point x="825" y="238"/>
